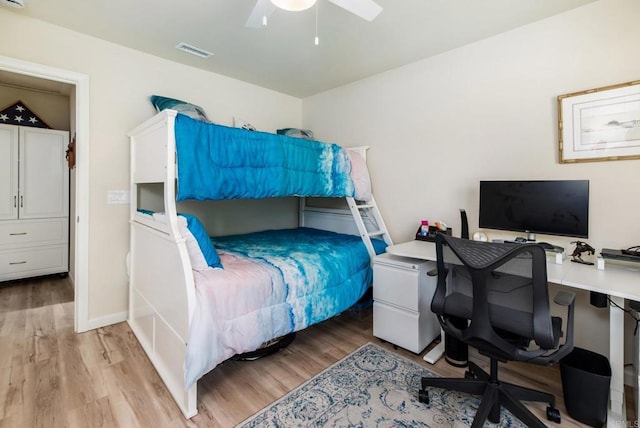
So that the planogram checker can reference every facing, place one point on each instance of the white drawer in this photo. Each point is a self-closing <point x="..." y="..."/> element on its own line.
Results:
<point x="396" y="285"/>
<point x="407" y="329"/>
<point x="34" y="232"/>
<point x="33" y="262"/>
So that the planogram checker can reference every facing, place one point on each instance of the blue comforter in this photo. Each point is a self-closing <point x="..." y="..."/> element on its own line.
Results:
<point x="325" y="272"/>
<point x="273" y="283"/>
<point x="218" y="162"/>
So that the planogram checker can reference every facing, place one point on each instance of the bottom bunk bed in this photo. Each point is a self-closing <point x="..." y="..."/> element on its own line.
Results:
<point x="270" y="284"/>
<point x="273" y="283"/>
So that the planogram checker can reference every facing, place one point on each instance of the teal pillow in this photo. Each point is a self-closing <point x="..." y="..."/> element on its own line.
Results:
<point x="162" y="103"/>
<point x="204" y="241"/>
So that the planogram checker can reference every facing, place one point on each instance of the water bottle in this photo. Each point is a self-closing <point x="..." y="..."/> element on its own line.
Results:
<point x="424" y="228"/>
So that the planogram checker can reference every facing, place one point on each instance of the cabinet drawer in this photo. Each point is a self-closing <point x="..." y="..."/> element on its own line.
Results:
<point x="33" y="262"/>
<point x="407" y="329"/>
<point x="398" y="286"/>
<point x="28" y="232"/>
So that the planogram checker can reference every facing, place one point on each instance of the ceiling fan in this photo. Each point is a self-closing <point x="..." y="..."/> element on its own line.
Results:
<point x="365" y="9"/>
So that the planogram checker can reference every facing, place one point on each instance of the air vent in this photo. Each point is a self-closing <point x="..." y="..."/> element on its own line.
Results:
<point x="191" y="49"/>
<point x="13" y="3"/>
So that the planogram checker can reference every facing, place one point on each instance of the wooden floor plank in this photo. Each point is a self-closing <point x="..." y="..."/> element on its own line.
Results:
<point x="50" y="376"/>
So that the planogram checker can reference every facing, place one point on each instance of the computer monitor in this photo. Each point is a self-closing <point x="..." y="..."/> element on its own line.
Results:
<point x="550" y="207"/>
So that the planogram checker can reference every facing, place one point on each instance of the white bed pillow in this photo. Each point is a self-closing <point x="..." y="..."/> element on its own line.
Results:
<point x="198" y="262"/>
<point x="360" y="176"/>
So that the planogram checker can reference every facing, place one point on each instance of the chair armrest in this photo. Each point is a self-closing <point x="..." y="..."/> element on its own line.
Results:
<point x="565" y="298"/>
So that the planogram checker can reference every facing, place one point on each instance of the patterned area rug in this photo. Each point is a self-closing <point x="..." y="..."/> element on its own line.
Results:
<point x="371" y="387"/>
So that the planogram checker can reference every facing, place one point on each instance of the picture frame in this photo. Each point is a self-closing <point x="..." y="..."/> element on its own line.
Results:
<point x="600" y="124"/>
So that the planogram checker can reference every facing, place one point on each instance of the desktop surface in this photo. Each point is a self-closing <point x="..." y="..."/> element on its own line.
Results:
<point x="616" y="280"/>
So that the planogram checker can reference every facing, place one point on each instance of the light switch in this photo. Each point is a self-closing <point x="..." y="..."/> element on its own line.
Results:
<point x="118" y="197"/>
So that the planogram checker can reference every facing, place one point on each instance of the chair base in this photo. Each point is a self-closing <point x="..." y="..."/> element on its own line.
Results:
<point x="495" y="394"/>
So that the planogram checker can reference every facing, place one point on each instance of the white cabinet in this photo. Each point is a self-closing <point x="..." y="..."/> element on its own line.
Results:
<point x="34" y="202"/>
<point x="402" y="294"/>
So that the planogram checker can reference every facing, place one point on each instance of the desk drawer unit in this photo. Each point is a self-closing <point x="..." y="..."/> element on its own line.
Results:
<point x="402" y="294"/>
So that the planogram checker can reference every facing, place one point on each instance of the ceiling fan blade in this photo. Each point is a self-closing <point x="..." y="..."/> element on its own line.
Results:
<point x="366" y="9"/>
<point x="260" y="10"/>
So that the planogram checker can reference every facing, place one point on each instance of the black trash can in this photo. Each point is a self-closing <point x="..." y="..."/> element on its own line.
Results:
<point x="586" y="377"/>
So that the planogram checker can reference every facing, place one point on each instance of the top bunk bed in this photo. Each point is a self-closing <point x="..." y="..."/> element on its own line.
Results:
<point x="197" y="300"/>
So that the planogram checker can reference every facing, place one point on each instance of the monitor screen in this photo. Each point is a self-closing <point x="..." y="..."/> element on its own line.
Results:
<point x="559" y="207"/>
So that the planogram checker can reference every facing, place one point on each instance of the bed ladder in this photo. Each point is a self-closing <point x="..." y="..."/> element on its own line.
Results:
<point x="369" y="210"/>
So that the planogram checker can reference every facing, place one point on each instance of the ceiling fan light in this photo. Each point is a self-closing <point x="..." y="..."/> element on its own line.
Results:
<point x="13" y="3"/>
<point x="294" y="5"/>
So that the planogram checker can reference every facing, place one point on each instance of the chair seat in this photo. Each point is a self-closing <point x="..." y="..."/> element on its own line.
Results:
<point x="505" y="318"/>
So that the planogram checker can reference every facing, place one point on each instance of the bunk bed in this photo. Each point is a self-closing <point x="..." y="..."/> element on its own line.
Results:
<point x="196" y="300"/>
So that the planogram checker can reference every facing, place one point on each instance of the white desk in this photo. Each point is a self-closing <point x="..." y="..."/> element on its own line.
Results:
<point x="619" y="282"/>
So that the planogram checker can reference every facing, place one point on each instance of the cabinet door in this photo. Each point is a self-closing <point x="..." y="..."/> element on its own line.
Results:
<point x="44" y="176"/>
<point x="8" y="172"/>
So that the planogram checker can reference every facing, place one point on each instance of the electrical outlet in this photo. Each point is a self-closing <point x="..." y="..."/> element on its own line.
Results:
<point x="118" y="197"/>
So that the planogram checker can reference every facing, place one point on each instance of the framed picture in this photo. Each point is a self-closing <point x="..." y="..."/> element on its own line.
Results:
<point x="600" y="124"/>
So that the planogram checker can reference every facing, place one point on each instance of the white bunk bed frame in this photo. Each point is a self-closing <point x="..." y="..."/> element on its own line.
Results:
<point x="162" y="294"/>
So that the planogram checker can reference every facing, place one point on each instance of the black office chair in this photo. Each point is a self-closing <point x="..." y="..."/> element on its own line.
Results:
<point x="501" y="290"/>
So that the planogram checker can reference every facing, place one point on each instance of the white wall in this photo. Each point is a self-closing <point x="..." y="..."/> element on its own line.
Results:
<point x="488" y="111"/>
<point x="121" y="81"/>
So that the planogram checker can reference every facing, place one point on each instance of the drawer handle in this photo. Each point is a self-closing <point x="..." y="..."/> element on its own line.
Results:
<point x="15" y="202"/>
<point x="17" y="263"/>
<point x="18" y="233"/>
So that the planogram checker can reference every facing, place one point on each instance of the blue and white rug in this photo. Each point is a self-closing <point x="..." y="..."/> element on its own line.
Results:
<point x="371" y="387"/>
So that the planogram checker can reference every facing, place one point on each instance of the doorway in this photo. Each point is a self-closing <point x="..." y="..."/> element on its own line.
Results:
<point x="79" y="118"/>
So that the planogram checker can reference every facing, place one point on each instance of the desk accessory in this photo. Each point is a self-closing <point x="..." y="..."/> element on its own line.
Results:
<point x="625" y="255"/>
<point x="581" y="247"/>
<point x="617" y="255"/>
<point x="464" y="230"/>
<point x="632" y="251"/>
<point x="432" y="232"/>
<point x="480" y="236"/>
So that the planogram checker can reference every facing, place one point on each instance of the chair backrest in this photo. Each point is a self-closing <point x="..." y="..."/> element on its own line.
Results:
<point x="501" y="289"/>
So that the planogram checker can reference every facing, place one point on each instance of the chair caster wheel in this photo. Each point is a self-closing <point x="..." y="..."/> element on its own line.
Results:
<point x="553" y="414"/>
<point x="469" y="375"/>
<point x="423" y="396"/>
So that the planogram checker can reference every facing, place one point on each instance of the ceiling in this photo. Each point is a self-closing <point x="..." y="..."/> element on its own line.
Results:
<point x="282" y="56"/>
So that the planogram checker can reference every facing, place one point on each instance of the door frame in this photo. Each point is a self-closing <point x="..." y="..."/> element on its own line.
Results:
<point x="81" y="261"/>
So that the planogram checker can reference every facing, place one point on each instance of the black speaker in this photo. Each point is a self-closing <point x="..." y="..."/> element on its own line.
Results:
<point x="465" y="224"/>
<point x="456" y="352"/>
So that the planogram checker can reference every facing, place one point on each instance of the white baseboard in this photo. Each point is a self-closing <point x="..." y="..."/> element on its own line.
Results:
<point x="107" y="320"/>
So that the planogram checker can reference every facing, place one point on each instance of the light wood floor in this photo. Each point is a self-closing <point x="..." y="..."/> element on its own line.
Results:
<point x="52" y="377"/>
